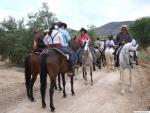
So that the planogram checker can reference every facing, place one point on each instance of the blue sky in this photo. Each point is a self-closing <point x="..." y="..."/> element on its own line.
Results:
<point x="80" y="13"/>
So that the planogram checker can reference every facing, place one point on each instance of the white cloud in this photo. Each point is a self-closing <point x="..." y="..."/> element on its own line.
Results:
<point x="80" y="13"/>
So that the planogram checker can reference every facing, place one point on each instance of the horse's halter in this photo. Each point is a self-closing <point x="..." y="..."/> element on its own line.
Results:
<point x="128" y="53"/>
<point x="86" y="47"/>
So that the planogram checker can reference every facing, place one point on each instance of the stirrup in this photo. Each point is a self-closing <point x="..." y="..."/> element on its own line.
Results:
<point x="67" y="56"/>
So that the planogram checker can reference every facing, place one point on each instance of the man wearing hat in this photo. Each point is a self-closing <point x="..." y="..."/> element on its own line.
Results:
<point x="66" y="44"/>
<point x="122" y="38"/>
<point x="79" y="40"/>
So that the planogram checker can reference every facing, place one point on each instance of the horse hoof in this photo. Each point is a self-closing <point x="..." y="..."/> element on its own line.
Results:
<point x="120" y="83"/>
<point x="29" y="98"/>
<point x="73" y="94"/>
<point x="86" y="83"/>
<point x="52" y="109"/>
<point x="44" y="106"/>
<point x="56" y="88"/>
<point x="122" y="92"/>
<point x="75" y="79"/>
<point x="32" y="100"/>
<point x="60" y="89"/>
<point x="131" y="90"/>
<point x="65" y="96"/>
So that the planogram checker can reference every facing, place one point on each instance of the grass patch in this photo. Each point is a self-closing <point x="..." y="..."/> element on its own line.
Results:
<point x="144" y="57"/>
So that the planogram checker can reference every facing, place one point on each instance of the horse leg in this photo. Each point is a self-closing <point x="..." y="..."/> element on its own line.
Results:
<point x="94" y="68"/>
<point x="85" y="76"/>
<point x="120" y="82"/>
<point x="72" y="89"/>
<point x="59" y="82"/>
<point x="130" y="80"/>
<point x="27" y="76"/>
<point x="83" y="72"/>
<point x="77" y="70"/>
<point x="104" y="60"/>
<point x="107" y="62"/>
<point x="91" y="75"/>
<point x="43" y="89"/>
<point x="51" y="92"/>
<point x="43" y="76"/>
<point x="113" y="64"/>
<point x="122" y="89"/>
<point x="34" y="76"/>
<point x="27" y="83"/>
<point x="64" y="84"/>
<point x="100" y="61"/>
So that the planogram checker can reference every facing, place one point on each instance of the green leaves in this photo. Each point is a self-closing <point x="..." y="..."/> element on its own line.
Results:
<point x="92" y="32"/>
<point x="141" y="31"/>
<point x="16" y="37"/>
<point x="42" y="19"/>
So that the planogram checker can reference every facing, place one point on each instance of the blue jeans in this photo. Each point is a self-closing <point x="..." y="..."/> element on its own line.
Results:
<point x="79" y="55"/>
<point x="72" y="55"/>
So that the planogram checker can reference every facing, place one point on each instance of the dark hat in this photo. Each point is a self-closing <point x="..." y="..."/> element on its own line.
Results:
<point x="59" y="23"/>
<point x="82" y="29"/>
<point x="110" y="37"/>
<point x="63" y="24"/>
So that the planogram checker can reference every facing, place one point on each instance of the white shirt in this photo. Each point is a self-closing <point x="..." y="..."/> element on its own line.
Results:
<point x="55" y="38"/>
<point x="111" y="42"/>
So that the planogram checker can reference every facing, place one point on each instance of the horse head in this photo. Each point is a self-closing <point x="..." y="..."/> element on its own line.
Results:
<point x="86" y="47"/>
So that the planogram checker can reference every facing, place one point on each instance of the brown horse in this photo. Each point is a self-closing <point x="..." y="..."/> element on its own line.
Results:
<point x="53" y="63"/>
<point x="32" y="69"/>
<point x="32" y="66"/>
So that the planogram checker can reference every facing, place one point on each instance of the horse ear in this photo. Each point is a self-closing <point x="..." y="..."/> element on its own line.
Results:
<point x="88" y="40"/>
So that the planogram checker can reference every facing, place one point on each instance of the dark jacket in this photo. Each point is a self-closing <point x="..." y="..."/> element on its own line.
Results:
<point x="123" y="37"/>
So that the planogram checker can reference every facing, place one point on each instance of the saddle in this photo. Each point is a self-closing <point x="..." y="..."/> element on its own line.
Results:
<point x="59" y="51"/>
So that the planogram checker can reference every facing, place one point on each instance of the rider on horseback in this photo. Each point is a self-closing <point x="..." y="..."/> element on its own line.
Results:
<point x="122" y="38"/>
<point x="110" y="42"/>
<point x="59" y="38"/>
<point x="97" y="43"/>
<point x="67" y="40"/>
<point x="81" y="41"/>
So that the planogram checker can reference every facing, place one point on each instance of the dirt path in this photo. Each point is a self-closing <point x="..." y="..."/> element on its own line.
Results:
<point x="103" y="97"/>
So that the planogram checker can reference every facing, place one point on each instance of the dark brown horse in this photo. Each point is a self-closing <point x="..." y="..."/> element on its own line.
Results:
<point x="32" y="66"/>
<point x="53" y="63"/>
<point x="32" y="69"/>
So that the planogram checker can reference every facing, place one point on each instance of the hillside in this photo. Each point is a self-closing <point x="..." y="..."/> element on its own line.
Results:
<point x="111" y="28"/>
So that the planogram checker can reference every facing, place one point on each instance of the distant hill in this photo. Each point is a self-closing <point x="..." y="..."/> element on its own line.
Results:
<point x="111" y="28"/>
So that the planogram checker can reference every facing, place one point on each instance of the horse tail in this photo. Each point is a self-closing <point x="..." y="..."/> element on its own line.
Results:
<point x="43" y="74"/>
<point x="27" y="74"/>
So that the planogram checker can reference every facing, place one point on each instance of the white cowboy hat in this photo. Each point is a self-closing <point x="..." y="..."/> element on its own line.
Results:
<point x="124" y="26"/>
<point x="45" y="31"/>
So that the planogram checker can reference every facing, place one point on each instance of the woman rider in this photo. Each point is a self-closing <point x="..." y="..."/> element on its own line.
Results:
<point x="122" y="38"/>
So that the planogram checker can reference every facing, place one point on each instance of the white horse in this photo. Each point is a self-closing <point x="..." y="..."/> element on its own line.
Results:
<point x="124" y="61"/>
<point x="109" y="58"/>
<point x="87" y="61"/>
<point x="109" y="55"/>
